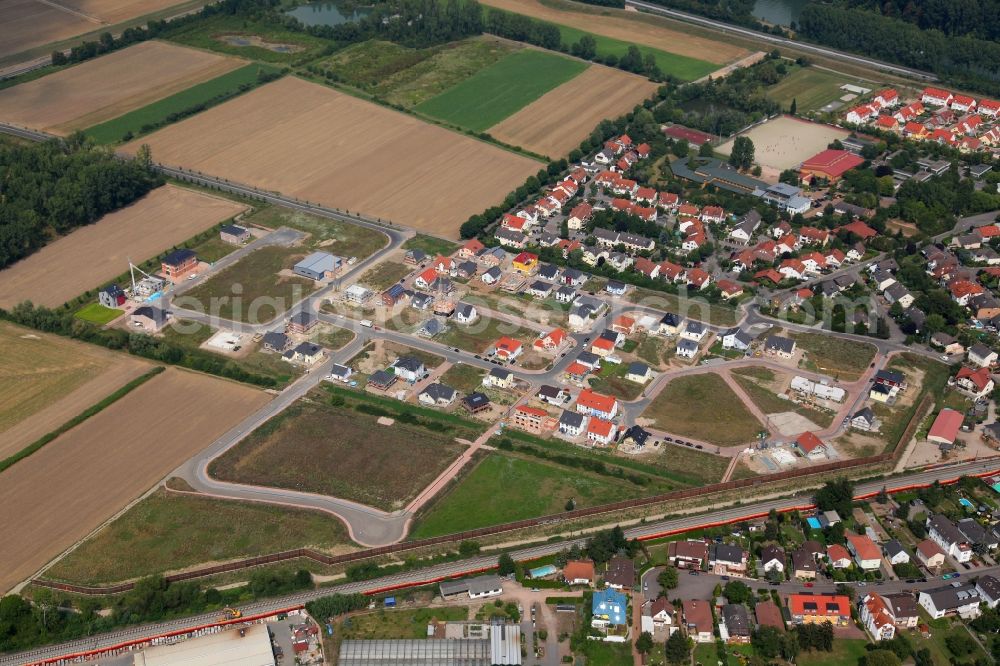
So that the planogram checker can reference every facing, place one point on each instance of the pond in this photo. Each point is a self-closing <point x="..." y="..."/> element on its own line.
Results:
<point x="328" y="13"/>
<point x="780" y="12"/>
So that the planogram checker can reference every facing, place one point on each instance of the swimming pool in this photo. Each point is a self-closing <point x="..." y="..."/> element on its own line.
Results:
<point x="813" y="522"/>
<point x="966" y="503"/>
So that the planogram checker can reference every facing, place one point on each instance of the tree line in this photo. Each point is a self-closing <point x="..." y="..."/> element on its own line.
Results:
<point x="963" y="60"/>
<point x="49" y="189"/>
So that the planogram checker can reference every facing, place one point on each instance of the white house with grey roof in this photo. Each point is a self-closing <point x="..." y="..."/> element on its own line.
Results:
<point x="961" y="600"/>
<point x="572" y="424"/>
<point x="437" y="395"/>
<point x="736" y="338"/>
<point x="780" y="346"/>
<point x="989" y="590"/>
<point x="475" y="588"/>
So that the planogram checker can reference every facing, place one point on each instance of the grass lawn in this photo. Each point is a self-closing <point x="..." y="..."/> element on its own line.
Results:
<point x="599" y="653"/>
<point x="430" y="245"/>
<point x="695" y="465"/>
<point x="705" y="654"/>
<point x="498" y="91"/>
<point x="464" y="378"/>
<point x="167" y="532"/>
<point x="611" y="380"/>
<point x="682" y="407"/>
<point x="334" y="337"/>
<point x="716" y="314"/>
<point x="481" y="334"/>
<point x="846" y="652"/>
<point x="263" y="294"/>
<point x="378" y="465"/>
<point x="341" y="238"/>
<point x="651" y="350"/>
<point x="503" y="488"/>
<point x="811" y="88"/>
<point x="209" y="34"/>
<point x="213" y="248"/>
<point x="384" y="275"/>
<point x="770" y="403"/>
<point x="845" y="359"/>
<point x="407" y="76"/>
<point x="96" y="313"/>
<point x="152" y="115"/>
<point x="391" y="623"/>
<point x="682" y="67"/>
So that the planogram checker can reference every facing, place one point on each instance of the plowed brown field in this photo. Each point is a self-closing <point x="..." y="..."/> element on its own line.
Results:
<point x="89" y="256"/>
<point x="316" y="144"/>
<point x="632" y="27"/>
<point x="45" y="380"/>
<point x="107" y="87"/>
<point x="557" y="122"/>
<point x="31" y="23"/>
<point x="57" y="496"/>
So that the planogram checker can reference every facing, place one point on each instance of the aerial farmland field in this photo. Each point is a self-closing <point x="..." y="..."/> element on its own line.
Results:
<point x="320" y="145"/>
<point x="107" y="87"/>
<point x="93" y="254"/>
<point x="58" y="495"/>
<point x="630" y="28"/>
<point x="46" y="380"/>
<point x="34" y="23"/>
<point x="557" y="122"/>
<point x="501" y="89"/>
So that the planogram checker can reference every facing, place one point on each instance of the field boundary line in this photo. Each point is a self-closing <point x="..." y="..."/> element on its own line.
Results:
<point x="94" y="409"/>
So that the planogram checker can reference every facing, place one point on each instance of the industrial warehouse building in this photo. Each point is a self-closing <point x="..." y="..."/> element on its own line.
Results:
<point x="502" y="647"/>
<point x="318" y="266"/>
<point x="225" y="648"/>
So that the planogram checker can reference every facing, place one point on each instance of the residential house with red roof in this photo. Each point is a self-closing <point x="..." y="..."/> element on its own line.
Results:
<point x="668" y="201"/>
<point x="887" y="123"/>
<point x="887" y="98"/>
<point x="649" y="268"/>
<point x="713" y="214"/>
<point x="698" y="278"/>
<point x="989" y="107"/>
<point x="596" y="404"/>
<point x="813" y="236"/>
<point x="839" y="557"/>
<point x="866" y="554"/>
<point x="820" y="608"/>
<point x="552" y="340"/>
<point x="876" y="618"/>
<point x="793" y="269"/>
<point x="729" y="289"/>
<point x="579" y="216"/>
<point x="810" y="445"/>
<point x="936" y="97"/>
<point x="471" y="249"/>
<point x="507" y="348"/>
<point x="977" y="383"/>
<point x="909" y="112"/>
<point x="601" y="431"/>
<point x="859" y="229"/>
<point x="962" y="103"/>
<point x="963" y="290"/>
<point x="672" y="272"/>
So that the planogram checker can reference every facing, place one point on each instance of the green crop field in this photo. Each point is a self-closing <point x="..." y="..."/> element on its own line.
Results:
<point x="494" y="93"/>
<point x="95" y="313"/>
<point x="671" y="64"/>
<point x="503" y="488"/>
<point x="167" y="532"/>
<point x="160" y="112"/>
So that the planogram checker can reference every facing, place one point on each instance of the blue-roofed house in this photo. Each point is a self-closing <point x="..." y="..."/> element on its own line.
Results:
<point x="610" y="613"/>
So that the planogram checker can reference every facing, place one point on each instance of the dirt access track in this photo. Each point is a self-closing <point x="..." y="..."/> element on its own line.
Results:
<point x="45" y="380"/>
<point x="557" y="122"/>
<point x="91" y="255"/>
<point x="632" y="27"/>
<point x="60" y="494"/>
<point x="31" y="23"/>
<point x="107" y="87"/>
<point x="314" y="143"/>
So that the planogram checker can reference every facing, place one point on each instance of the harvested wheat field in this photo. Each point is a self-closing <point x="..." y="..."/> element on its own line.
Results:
<point x="91" y="255"/>
<point x="557" y="122"/>
<point x="316" y="144"/>
<point x="107" y="87"/>
<point x="45" y="380"/>
<point x="32" y="23"/>
<point x="60" y="494"/>
<point x="635" y="28"/>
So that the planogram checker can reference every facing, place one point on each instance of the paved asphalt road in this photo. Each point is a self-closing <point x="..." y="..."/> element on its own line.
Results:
<point x="781" y="41"/>
<point x="479" y="562"/>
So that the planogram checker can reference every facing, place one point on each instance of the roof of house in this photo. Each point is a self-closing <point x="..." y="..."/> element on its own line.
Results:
<point x="802" y="560"/>
<point x="946" y="425"/>
<point x="894" y="548"/>
<point x="929" y="549"/>
<point x="901" y="605"/>
<point x="836" y="553"/>
<point x="768" y="614"/>
<point x="950" y="598"/>
<point x="779" y="343"/>
<point x="863" y="546"/>
<point x="178" y="256"/>
<point x="698" y="613"/>
<point x="571" y="419"/>
<point x="725" y="552"/>
<point x="475" y="400"/>
<point x="772" y="552"/>
<point x="809" y="442"/>
<point x="737" y="619"/>
<point x="611" y="604"/>
<point x="826" y="605"/>
<point x="438" y="391"/>
<point x="621" y="571"/>
<point x="596" y="401"/>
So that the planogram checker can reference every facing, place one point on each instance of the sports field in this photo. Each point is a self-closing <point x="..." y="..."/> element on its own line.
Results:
<point x="31" y="23"/>
<point x="383" y="466"/>
<point x="46" y="380"/>
<point x="159" y="112"/>
<point x="680" y="409"/>
<point x="90" y="255"/>
<point x="627" y="28"/>
<point x="107" y="87"/>
<point x="58" y="495"/>
<point x="557" y="122"/>
<point x="314" y="143"/>
<point x="784" y="142"/>
<point x="170" y="532"/>
<point x="811" y="88"/>
<point x="502" y="89"/>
